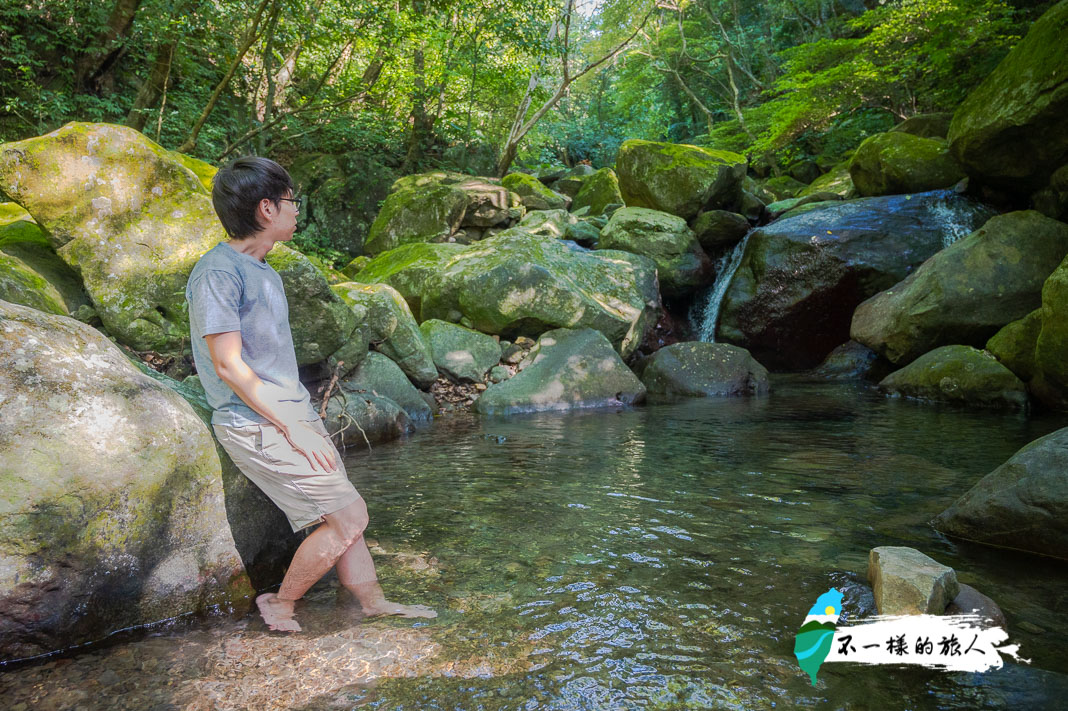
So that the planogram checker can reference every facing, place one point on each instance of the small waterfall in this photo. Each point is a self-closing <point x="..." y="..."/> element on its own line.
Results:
<point x="952" y="220"/>
<point x="704" y="314"/>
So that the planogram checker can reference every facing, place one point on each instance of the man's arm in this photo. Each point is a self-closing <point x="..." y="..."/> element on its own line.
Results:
<point x="225" y="349"/>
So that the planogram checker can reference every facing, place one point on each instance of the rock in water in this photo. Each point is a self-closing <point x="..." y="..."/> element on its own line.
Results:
<point x="800" y="278"/>
<point x="698" y="369"/>
<point x="679" y="179"/>
<point x="128" y="217"/>
<point x="907" y="582"/>
<point x="1010" y="131"/>
<point x="961" y="375"/>
<point x="112" y="495"/>
<point x="1022" y="505"/>
<point x="966" y="292"/>
<point x="567" y="369"/>
<point x="1014" y="345"/>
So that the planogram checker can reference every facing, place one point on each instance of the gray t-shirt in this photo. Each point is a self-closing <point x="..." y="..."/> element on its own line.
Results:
<point x="231" y="291"/>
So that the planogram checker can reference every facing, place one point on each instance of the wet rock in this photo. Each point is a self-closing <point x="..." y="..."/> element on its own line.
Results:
<point x="697" y="369"/>
<point x="127" y="216"/>
<point x="896" y="162"/>
<point x="800" y="278"/>
<point x="678" y="179"/>
<point x="113" y="499"/>
<point x="966" y="292"/>
<point x="567" y="369"/>
<point x="379" y="375"/>
<point x="1021" y="505"/>
<point x="681" y="264"/>
<point x="598" y="191"/>
<point x="1010" y="133"/>
<point x="387" y="322"/>
<point x="907" y="582"/>
<point x="961" y="375"/>
<point x="1014" y="344"/>
<point x="533" y="193"/>
<point x="717" y="230"/>
<point x="460" y="353"/>
<point x="785" y="207"/>
<point x="851" y="361"/>
<point x="971" y="601"/>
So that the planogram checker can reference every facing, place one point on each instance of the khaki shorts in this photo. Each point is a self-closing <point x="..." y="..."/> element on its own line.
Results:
<point x="266" y="457"/>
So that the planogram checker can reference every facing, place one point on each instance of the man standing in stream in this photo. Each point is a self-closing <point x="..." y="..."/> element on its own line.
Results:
<point x="243" y="349"/>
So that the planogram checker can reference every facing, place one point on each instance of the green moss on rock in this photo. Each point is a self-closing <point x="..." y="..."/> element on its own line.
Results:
<point x="534" y="194"/>
<point x="681" y="264"/>
<point x="679" y="179"/>
<point x="895" y="162"/>
<point x="598" y="191"/>
<point x="961" y="375"/>
<point x="1014" y="345"/>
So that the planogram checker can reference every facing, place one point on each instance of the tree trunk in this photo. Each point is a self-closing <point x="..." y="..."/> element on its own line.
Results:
<point x="102" y="50"/>
<point x="152" y="88"/>
<point x="250" y="38"/>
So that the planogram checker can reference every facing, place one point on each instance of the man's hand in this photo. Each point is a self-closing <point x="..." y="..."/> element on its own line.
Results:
<point x="312" y="445"/>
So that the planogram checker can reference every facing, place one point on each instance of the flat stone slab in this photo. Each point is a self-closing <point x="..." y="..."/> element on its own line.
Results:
<point x="907" y="582"/>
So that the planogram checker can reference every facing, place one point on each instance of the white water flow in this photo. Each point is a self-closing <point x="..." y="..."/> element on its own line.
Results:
<point x="951" y="221"/>
<point x="705" y="312"/>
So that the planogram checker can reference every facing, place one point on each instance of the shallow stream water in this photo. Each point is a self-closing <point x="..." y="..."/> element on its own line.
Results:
<point x="661" y="557"/>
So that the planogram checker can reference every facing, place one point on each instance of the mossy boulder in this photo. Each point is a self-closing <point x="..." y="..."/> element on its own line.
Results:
<point x="1010" y="132"/>
<point x="783" y="187"/>
<point x="521" y="284"/>
<point x="50" y="279"/>
<point x="932" y="125"/>
<point x="801" y="277"/>
<point x="697" y="369"/>
<point x="13" y="212"/>
<point x="418" y="214"/>
<point x="548" y="223"/>
<point x="681" y="264"/>
<point x="852" y="361"/>
<point x="567" y="369"/>
<point x="787" y="207"/>
<point x="1050" y="381"/>
<point x="461" y="354"/>
<point x="320" y="321"/>
<point x="1052" y="201"/>
<point x="383" y="316"/>
<point x="20" y="284"/>
<point x="381" y="377"/>
<point x="966" y="292"/>
<point x="961" y="375"/>
<point x="205" y="172"/>
<point x="837" y="180"/>
<point x="128" y="217"/>
<point x="113" y="503"/>
<point x="598" y="191"/>
<point x="1022" y="505"/>
<point x="679" y="179"/>
<point x="533" y="193"/>
<point x="717" y="230"/>
<point x="571" y="181"/>
<point x="1014" y="345"/>
<point x="360" y="418"/>
<point x="895" y="162"/>
<point x="408" y="269"/>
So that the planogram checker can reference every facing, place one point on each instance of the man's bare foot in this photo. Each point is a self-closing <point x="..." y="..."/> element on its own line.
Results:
<point x="394" y="608"/>
<point x="278" y="614"/>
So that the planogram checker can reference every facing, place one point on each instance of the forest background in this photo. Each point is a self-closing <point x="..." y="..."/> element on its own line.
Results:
<point x="351" y="95"/>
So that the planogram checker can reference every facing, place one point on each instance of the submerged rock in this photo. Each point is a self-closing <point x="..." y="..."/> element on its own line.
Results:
<point x="113" y="502"/>
<point x="681" y="264"/>
<point x="966" y="292"/>
<point x="970" y="601"/>
<point x="697" y="369"/>
<point x="800" y="278"/>
<point x="1022" y="505"/>
<point x="958" y="374"/>
<point x="897" y="162"/>
<point x="1010" y="131"/>
<point x="679" y="179"/>
<point x="907" y="582"/>
<point x="567" y="369"/>
<point x="460" y="353"/>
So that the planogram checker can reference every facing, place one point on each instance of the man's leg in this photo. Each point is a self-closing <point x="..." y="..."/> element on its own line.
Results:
<point x="315" y="556"/>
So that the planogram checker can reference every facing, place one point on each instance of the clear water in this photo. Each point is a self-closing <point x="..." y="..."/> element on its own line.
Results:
<point x="653" y="558"/>
<point x="704" y="313"/>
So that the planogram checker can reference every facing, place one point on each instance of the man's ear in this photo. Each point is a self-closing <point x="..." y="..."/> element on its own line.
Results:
<point x="267" y="210"/>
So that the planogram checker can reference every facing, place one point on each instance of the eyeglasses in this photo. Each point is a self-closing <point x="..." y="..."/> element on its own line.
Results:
<point x="297" y="201"/>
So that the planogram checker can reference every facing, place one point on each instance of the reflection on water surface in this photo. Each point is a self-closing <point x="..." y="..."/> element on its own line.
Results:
<point x="655" y="558"/>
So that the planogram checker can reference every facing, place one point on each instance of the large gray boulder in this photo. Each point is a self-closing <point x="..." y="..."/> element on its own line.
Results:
<point x="1010" y="132"/>
<point x="462" y="354"/>
<point x="958" y="374"/>
<point x="681" y="264"/>
<point x="896" y="162"/>
<point x="907" y="582"/>
<point x="110" y="488"/>
<point x="697" y="369"/>
<point x="380" y="376"/>
<point x="598" y="191"/>
<point x="800" y="278"/>
<point x="567" y="369"/>
<point x="387" y="322"/>
<point x="422" y="214"/>
<point x="966" y="292"/>
<point x="408" y="269"/>
<point x="1022" y="505"/>
<point x="679" y="179"/>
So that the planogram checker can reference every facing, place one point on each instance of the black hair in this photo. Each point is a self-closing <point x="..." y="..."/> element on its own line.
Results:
<point x="239" y="186"/>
